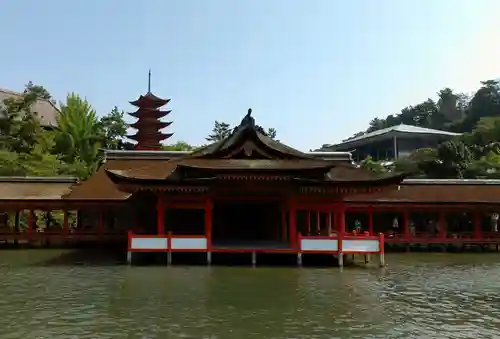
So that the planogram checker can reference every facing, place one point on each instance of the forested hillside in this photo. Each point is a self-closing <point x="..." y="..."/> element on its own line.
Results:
<point x="476" y="154"/>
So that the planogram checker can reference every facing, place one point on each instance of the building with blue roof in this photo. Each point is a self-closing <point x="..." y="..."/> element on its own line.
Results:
<point x="391" y="143"/>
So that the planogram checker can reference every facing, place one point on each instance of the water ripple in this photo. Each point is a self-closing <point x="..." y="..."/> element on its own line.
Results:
<point x="415" y="297"/>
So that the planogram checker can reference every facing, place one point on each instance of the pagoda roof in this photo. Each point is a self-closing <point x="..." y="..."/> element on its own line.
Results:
<point x="141" y="113"/>
<point x="149" y="100"/>
<point x="157" y="124"/>
<point x="155" y="136"/>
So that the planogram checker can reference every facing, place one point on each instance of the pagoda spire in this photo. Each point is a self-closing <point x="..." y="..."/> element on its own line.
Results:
<point x="148" y="124"/>
<point x="149" y="81"/>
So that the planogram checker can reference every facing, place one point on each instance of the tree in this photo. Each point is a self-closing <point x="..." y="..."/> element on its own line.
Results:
<point x="220" y="131"/>
<point x="270" y="132"/>
<point x="78" y="137"/>
<point x="113" y="129"/>
<point x="452" y="160"/>
<point x="415" y="165"/>
<point x="448" y="105"/>
<point x="19" y="126"/>
<point x="374" y="166"/>
<point x="39" y="91"/>
<point x="178" y="146"/>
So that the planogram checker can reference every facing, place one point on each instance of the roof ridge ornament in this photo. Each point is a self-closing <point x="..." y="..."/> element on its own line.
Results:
<point x="248" y="120"/>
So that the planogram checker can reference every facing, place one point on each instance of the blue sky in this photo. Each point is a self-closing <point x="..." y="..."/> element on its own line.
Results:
<point x="317" y="70"/>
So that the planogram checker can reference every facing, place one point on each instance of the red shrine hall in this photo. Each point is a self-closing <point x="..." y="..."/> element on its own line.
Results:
<point x="246" y="193"/>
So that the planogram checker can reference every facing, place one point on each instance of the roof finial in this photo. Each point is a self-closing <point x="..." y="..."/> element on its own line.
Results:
<point x="149" y="81"/>
<point x="248" y="120"/>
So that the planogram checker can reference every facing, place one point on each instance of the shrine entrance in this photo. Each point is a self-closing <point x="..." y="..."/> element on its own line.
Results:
<point x="247" y="224"/>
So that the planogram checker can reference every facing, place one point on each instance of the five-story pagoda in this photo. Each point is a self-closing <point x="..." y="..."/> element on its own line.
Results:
<point x="148" y="124"/>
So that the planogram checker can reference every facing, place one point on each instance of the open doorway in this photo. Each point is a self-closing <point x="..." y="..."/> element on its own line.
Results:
<point x="248" y="224"/>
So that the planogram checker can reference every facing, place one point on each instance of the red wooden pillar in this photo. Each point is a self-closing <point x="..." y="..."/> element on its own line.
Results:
<point x="293" y="223"/>
<point x="477" y="225"/>
<point x="370" y="220"/>
<point x="283" y="223"/>
<point x="160" y="215"/>
<point x="65" y="222"/>
<point x="442" y="225"/>
<point x="341" y="218"/>
<point x="100" y="223"/>
<point x="208" y="222"/>
<point x="308" y="222"/>
<point x="318" y="222"/>
<point x="329" y="222"/>
<point x="406" y="225"/>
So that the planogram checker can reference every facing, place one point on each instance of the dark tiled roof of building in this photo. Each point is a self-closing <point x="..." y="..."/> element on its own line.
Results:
<point x="436" y="191"/>
<point x="34" y="188"/>
<point x="45" y="109"/>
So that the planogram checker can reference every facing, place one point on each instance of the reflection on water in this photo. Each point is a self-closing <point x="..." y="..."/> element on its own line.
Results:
<point x="416" y="296"/>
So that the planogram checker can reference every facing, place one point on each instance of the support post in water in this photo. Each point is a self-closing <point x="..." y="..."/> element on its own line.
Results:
<point x="169" y="248"/>
<point x="209" y="258"/>
<point x="299" y="259"/>
<point x="339" y="246"/>
<point x="381" y="249"/>
<point x="129" y="246"/>
<point x="254" y="259"/>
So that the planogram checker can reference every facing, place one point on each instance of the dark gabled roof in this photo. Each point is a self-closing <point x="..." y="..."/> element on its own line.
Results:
<point x="99" y="186"/>
<point x="169" y="170"/>
<point x="245" y="151"/>
<point x="246" y="139"/>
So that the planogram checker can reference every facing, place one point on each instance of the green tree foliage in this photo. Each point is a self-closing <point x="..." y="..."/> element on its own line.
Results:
<point x="220" y="131"/>
<point x="39" y="91"/>
<point x="178" y="146"/>
<point x="26" y="149"/>
<point x="114" y="130"/>
<point x="79" y="135"/>
<point x="374" y="166"/>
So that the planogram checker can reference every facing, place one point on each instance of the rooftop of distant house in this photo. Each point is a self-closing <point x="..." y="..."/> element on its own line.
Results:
<point x="44" y="109"/>
<point x="401" y="130"/>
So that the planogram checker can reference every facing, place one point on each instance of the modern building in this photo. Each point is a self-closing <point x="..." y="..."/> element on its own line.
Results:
<point x="391" y="143"/>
